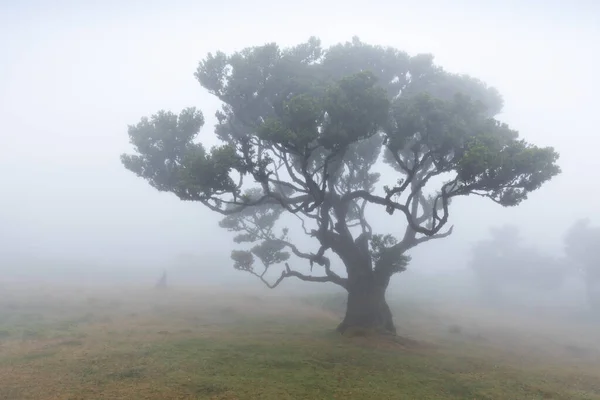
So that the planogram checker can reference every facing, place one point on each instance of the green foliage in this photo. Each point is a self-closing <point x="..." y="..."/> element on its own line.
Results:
<point x="270" y="252"/>
<point x="162" y="142"/>
<point x="346" y="112"/>
<point x="456" y="135"/>
<point x="506" y="170"/>
<point x="255" y="222"/>
<point x="385" y="253"/>
<point x="170" y="161"/>
<point x="356" y="109"/>
<point x="242" y="260"/>
<point x="302" y="129"/>
<point x="298" y="126"/>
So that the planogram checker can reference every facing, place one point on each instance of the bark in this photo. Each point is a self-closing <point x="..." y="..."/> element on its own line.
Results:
<point x="367" y="308"/>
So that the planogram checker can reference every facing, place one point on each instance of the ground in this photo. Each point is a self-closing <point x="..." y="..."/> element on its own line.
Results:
<point x="202" y="343"/>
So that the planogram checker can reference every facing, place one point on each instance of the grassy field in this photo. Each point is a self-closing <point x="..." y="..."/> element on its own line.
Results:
<point x="203" y="343"/>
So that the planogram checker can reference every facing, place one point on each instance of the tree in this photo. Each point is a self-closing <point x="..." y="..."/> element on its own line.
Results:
<point x="490" y="260"/>
<point x="503" y="261"/>
<point x="162" y="282"/>
<point x="302" y="130"/>
<point x="581" y="246"/>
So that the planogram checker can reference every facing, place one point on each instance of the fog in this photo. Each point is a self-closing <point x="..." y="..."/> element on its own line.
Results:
<point x="74" y="75"/>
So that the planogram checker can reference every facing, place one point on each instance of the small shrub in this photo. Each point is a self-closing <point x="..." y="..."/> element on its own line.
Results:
<point x="455" y="329"/>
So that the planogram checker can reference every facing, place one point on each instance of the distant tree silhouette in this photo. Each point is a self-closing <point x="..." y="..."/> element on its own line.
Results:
<point x="162" y="282"/>
<point x="504" y="261"/>
<point x="582" y="246"/>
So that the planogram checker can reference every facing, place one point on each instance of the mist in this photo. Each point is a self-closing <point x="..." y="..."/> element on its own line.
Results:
<point x="75" y="75"/>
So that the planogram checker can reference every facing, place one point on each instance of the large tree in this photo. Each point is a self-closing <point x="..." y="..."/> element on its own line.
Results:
<point x="582" y="247"/>
<point x="303" y="130"/>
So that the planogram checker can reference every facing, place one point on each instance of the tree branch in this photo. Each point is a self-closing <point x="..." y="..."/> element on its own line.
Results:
<point x="318" y="258"/>
<point x="424" y="239"/>
<point x="390" y="207"/>
<point x="288" y="273"/>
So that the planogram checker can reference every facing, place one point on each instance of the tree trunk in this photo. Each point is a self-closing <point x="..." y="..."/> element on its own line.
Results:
<point x="367" y="309"/>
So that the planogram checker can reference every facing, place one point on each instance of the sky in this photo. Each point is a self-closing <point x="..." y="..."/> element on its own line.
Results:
<point x="75" y="74"/>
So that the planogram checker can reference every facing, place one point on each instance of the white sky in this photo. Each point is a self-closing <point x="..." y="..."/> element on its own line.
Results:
<point x="74" y="74"/>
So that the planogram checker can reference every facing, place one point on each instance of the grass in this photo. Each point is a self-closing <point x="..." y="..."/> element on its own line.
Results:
<point x="179" y="344"/>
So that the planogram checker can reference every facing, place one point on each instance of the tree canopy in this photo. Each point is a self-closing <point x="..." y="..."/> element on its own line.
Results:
<point x="302" y="129"/>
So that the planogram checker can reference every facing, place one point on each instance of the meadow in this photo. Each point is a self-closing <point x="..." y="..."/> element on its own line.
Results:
<point x="69" y="343"/>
